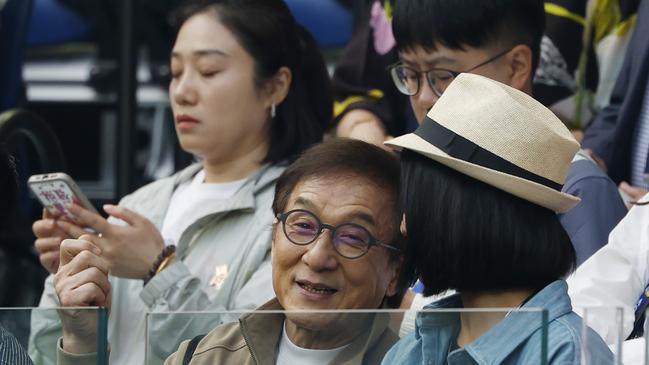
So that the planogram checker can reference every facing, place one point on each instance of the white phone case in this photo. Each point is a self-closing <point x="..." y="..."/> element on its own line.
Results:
<point x="56" y="190"/>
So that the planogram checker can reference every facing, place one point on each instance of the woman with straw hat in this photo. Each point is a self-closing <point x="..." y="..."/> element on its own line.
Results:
<point x="481" y="181"/>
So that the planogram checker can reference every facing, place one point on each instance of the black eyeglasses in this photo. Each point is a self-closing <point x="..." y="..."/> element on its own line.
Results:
<point x="350" y="240"/>
<point x="408" y="80"/>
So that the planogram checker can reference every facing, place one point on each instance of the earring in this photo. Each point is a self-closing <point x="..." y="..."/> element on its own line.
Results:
<point x="273" y="111"/>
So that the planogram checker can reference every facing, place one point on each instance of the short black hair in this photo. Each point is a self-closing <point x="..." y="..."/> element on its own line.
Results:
<point x="267" y="30"/>
<point x="469" y="236"/>
<point x="475" y="23"/>
<point x="341" y="157"/>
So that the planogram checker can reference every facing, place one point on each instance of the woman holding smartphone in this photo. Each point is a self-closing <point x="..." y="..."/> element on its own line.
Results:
<point x="249" y="91"/>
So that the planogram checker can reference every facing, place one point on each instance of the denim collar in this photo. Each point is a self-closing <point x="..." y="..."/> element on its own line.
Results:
<point x="439" y="332"/>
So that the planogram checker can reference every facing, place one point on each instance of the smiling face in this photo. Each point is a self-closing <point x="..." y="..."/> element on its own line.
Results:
<point x="219" y="112"/>
<point x="315" y="276"/>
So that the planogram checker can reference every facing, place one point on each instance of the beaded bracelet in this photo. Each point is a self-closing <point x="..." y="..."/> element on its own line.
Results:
<point x="163" y="260"/>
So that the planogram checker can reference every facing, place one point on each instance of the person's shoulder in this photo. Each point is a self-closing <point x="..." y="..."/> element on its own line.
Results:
<point x="224" y="343"/>
<point x="584" y="168"/>
<point x="266" y="178"/>
<point x="381" y="346"/>
<point x="227" y="336"/>
<point x="586" y="179"/>
<point x="405" y="351"/>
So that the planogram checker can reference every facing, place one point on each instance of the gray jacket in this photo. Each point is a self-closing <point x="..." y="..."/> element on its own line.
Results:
<point x="243" y="220"/>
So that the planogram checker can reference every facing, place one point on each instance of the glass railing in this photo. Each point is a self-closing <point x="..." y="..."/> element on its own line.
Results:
<point x="367" y="335"/>
<point x="364" y="334"/>
<point x="603" y="324"/>
<point x="38" y="333"/>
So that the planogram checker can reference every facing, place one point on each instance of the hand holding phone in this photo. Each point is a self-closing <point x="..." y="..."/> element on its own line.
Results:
<point x="130" y="248"/>
<point x="56" y="191"/>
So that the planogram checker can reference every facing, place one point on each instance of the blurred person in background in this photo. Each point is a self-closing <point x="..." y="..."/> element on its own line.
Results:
<point x="617" y="276"/>
<point x="619" y="135"/>
<point x="580" y="57"/>
<point x="367" y="105"/>
<point x="249" y="92"/>
<point x="11" y="352"/>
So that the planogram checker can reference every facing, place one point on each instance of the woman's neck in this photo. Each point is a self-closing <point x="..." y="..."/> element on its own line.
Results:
<point x="475" y="324"/>
<point x="236" y="167"/>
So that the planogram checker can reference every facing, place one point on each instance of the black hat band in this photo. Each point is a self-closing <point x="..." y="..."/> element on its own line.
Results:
<point x="461" y="148"/>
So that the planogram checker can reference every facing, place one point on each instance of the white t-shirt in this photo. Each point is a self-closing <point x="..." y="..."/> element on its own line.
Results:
<point x="291" y="354"/>
<point x="191" y="201"/>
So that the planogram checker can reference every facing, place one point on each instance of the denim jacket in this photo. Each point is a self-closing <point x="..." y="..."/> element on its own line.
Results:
<point x="517" y="339"/>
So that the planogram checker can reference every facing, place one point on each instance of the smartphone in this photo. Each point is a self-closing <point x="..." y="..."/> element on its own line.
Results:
<point x="55" y="191"/>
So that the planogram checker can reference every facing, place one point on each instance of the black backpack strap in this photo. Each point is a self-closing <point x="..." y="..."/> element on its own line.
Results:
<point x="191" y="348"/>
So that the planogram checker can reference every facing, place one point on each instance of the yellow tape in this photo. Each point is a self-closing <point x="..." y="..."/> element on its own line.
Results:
<point x="340" y="106"/>
<point x="625" y="26"/>
<point x="387" y="7"/>
<point x="560" y="11"/>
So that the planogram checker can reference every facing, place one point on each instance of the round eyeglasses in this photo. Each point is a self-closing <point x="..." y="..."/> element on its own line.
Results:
<point x="350" y="240"/>
<point x="408" y="80"/>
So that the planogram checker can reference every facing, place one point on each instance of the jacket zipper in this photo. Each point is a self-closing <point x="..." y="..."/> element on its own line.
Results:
<point x="244" y="332"/>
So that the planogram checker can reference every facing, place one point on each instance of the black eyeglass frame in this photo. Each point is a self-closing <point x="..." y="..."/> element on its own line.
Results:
<point x="322" y="226"/>
<point x="392" y="69"/>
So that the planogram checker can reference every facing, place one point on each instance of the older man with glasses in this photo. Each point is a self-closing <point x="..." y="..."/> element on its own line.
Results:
<point x="336" y="246"/>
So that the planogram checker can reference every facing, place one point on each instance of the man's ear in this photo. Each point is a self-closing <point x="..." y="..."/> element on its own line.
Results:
<point x="274" y="231"/>
<point x="519" y="61"/>
<point x="395" y="267"/>
<point x="276" y="88"/>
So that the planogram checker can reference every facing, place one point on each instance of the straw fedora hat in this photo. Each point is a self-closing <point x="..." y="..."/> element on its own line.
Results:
<point x="500" y="136"/>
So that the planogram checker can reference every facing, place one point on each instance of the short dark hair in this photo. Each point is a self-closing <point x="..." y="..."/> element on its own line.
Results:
<point x="347" y="157"/>
<point x="469" y="236"/>
<point x="267" y="30"/>
<point x="476" y="23"/>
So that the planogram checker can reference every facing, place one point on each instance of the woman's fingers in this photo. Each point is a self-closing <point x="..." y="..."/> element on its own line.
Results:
<point x="48" y="252"/>
<point x="71" y="230"/>
<point x="49" y="260"/>
<point x="125" y="214"/>
<point x="44" y="228"/>
<point x="48" y="244"/>
<point x="86" y="218"/>
<point x="48" y="215"/>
